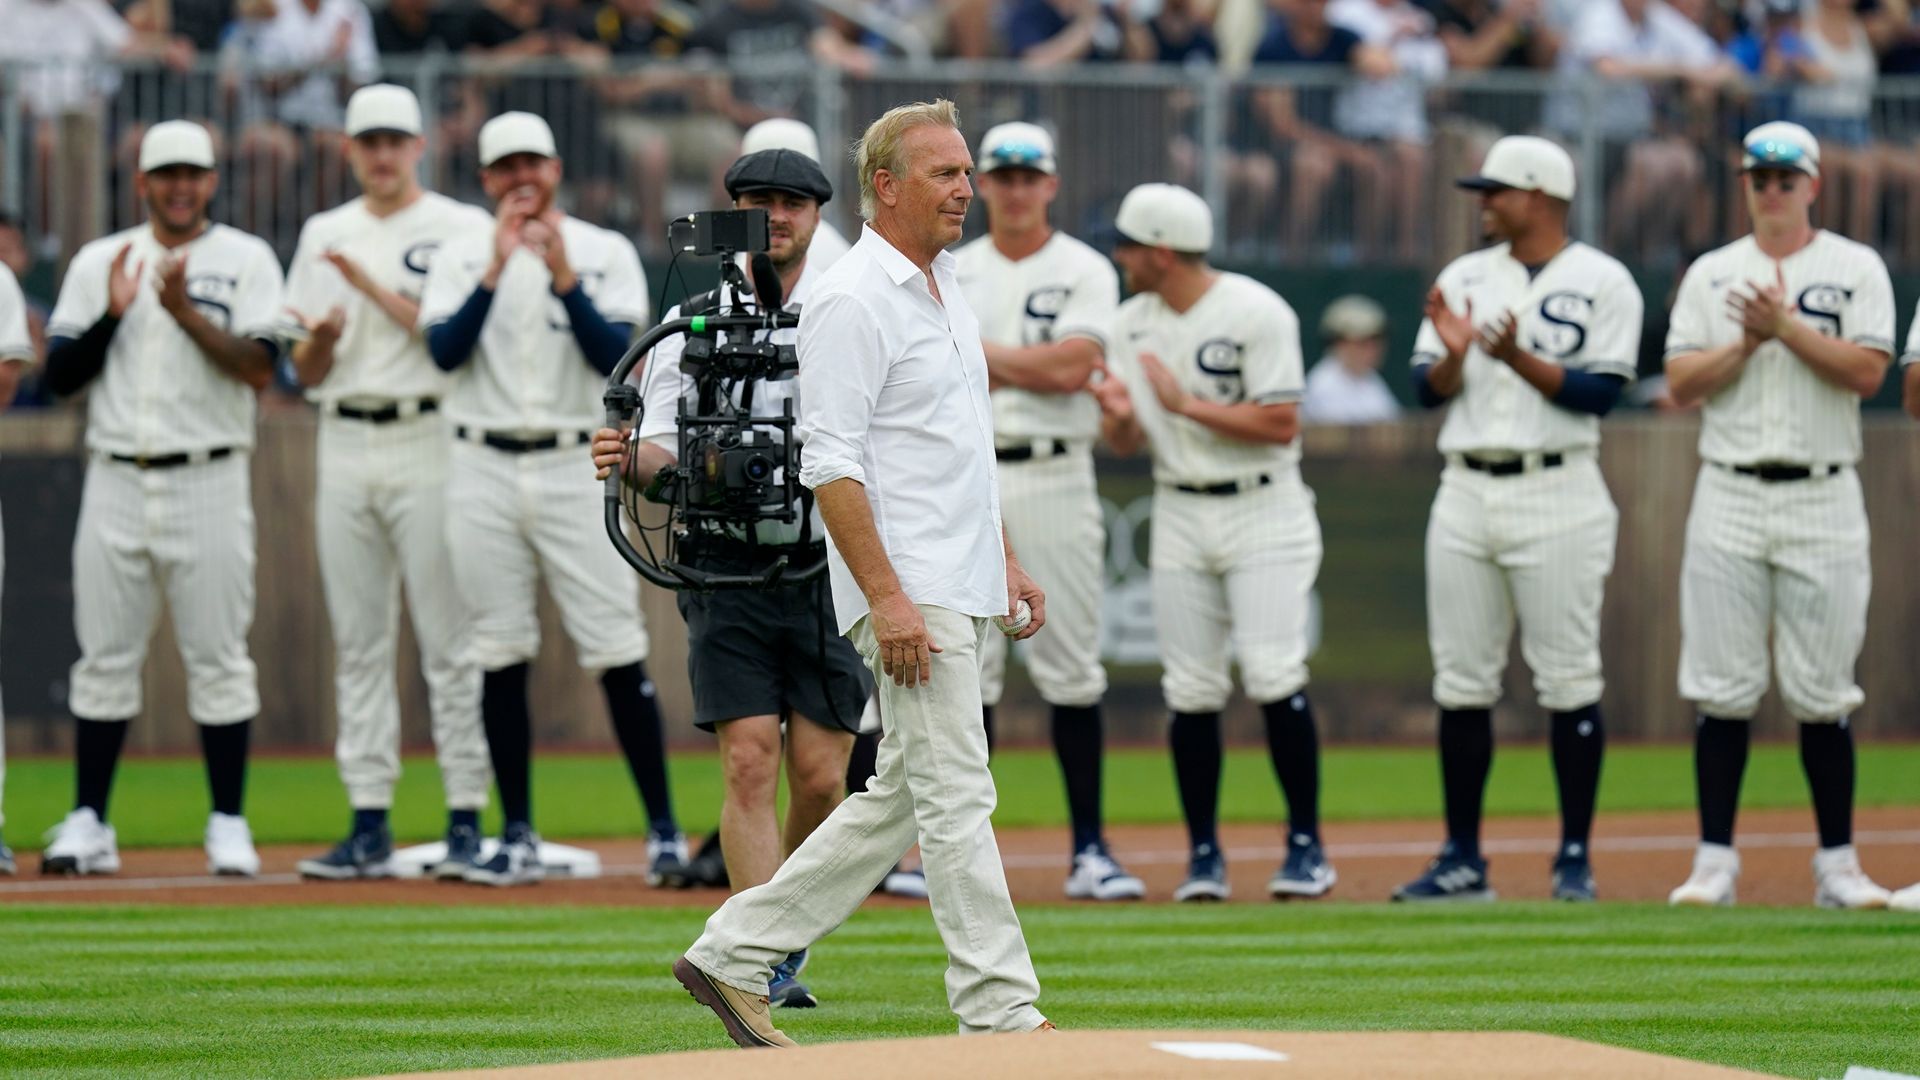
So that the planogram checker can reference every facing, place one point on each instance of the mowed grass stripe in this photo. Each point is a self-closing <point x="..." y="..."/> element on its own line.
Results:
<point x="312" y="992"/>
<point x="583" y="796"/>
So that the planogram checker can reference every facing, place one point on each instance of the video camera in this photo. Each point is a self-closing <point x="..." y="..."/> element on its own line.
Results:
<point x="736" y="471"/>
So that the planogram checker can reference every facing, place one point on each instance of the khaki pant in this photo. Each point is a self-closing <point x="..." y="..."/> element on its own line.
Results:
<point x="931" y="784"/>
<point x="1052" y="514"/>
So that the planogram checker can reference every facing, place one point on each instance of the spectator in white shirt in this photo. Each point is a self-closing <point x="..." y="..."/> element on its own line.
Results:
<point x="1345" y="386"/>
<point x="898" y="431"/>
<point x="1391" y="112"/>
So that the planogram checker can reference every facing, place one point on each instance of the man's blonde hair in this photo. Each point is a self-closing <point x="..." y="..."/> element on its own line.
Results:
<point x="881" y="147"/>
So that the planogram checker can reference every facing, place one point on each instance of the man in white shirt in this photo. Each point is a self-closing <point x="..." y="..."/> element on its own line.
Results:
<point x="1045" y="303"/>
<point x="759" y="661"/>
<point x="1345" y="386"/>
<point x="898" y="433"/>
<point x="16" y="352"/>
<point x="1206" y="374"/>
<point x="354" y="291"/>
<point x="172" y="324"/>
<point x="1779" y="334"/>
<point x="531" y="316"/>
<point x="1527" y="343"/>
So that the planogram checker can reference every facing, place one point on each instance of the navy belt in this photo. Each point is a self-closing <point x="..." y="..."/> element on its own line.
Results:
<point x="1028" y="452"/>
<point x="1231" y="487"/>
<point x="1776" y="473"/>
<point x="510" y="444"/>
<point x="170" y="461"/>
<point x="388" y="413"/>
<point x="1511" y="466"/>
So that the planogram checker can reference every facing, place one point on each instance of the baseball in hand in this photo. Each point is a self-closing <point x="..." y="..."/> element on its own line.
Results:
<point x="1022" y="615"/>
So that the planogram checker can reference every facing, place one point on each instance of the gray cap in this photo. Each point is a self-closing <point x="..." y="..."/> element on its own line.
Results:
<point x="780" y="170"/>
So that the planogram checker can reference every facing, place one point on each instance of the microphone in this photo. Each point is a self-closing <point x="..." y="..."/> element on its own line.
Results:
<point x="766" y="284"/>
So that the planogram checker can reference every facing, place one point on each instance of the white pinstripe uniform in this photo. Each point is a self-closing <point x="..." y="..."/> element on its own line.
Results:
<point x="1537" y="544"/>
<point x="1787" y="559"/>
<point x="381" y="507"/>
<point x="185" y="531"/>
<point x="16" y="347"/>
<point x="1230" y="571"/>
<point x="1052" y="510"/>
<point x="514" y="517"/>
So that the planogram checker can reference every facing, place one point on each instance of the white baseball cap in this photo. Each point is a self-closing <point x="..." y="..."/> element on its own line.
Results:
<point x="1353" y="318"/>
<point x="176" y="142"/>
<point x="515" y="133"/>
<point x="1166" y="215"/>
<point x="780" y="133"/>
<point x="1526" y="163"/>
<point x="1017" y="146"/>
<point x="1781" y="145"/>
<point x="383" y="107"/>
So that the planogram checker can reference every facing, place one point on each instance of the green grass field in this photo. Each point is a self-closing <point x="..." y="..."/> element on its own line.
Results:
<point x="164" y="802"/>
<point x="206" y="993"/>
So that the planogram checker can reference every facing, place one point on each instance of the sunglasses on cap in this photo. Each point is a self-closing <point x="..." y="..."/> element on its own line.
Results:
<point x="1018" y="155"/>
<point x="1775" y="153"/>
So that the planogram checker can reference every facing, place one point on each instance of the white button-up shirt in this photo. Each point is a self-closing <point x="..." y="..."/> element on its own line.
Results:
<point x="893" y="394"/>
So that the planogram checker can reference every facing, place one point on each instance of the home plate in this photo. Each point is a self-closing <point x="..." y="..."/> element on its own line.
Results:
<point x="560" y="860"/>
<point x="1162" y="1055"/>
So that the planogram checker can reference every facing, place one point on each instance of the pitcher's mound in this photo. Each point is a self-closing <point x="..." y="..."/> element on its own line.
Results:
<point x="1115" y="1055"/>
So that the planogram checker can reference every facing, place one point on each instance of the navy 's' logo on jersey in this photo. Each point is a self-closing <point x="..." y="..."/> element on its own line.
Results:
<point x="213" y="295"/>
<point x="1043" y="307"/>
<point x="420" y="256"/>
<point x="1563" y="331"/>
<point x="1220" y="360"/>
<point x="1822" y="305"/>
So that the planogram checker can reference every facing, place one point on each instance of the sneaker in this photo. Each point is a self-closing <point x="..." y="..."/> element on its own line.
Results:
<point x="1305" y="874"/>
<point x="81" y="844"/>
<point x="747" y="1017"/>
<point x="1907" y="899"/>
<point x="1840" y="883"/>
<point x="1449" y="877"/>
<point x="230" y="847"/>
<point x="1715" y="868"/>
<point x="906" y="884"/>
<point x="515" y="862"/>
<point x="1206" y="875"/>
<point x="667" y="859"/>
<point x="1573" y="875"/>
<point x="784" y="989"/>
<point x="1097" y="877"/>
<point x="7" y="866"/>
<point x="708" y="868"/>
<point x="463" y="853"/>
<point x="366" y="854"/>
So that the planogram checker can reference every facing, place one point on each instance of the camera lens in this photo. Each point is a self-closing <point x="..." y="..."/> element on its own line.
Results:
<point x="759" y="469"/>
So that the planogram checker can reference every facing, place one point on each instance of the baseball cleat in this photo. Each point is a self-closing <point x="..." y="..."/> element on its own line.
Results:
<point x="1206" y="876"/>
<point x="1306" y="874"/>
<point x="1907" y="899"/>
<point x="516" y="862"/>
<point x="1715" y="868"/>
<point x="667" y="859"/>
<point x="747" y="1017"/>
<point x="1450" y="877"/>
<point x="463" y="853"/>
<point x="1096" y="876"/>
<point x="906" y="884"/>
<point x="81" y="844"/>
<point x="784" y="989"/>
<point x="7" y="866"/>
<point x="1840" y="883"/>
<point x="230" y="846"/>
<point x="365" y="854"/>
<point x="1573" y="875"/>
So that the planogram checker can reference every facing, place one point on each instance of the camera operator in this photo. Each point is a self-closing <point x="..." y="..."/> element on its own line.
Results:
<point x="758" y="658"/>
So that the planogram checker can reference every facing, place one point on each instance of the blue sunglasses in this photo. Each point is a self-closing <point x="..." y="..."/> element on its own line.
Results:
<point x="1026" y="155"/>
<point x="1775" y="153"/>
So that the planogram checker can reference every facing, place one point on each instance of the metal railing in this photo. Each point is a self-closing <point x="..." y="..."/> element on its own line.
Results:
<point x="1365" y="181"/>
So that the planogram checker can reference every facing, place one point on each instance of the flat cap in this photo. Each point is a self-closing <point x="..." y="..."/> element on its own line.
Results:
<point x="781" y="170"/>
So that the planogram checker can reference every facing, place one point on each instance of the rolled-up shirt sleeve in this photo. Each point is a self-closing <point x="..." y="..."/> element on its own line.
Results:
<point x="843" y="366"/>
<point x="661" y="387"/>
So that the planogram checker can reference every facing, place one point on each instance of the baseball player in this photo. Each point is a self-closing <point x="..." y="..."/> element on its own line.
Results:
<point x="354" y="290"/>
<point x="1529" y="342"/>
<point x="173" y="323"/>
<point x="1207" y="371"/>
<point x="780" y="133"/>
<point x="1908" y="899"/>
<point x="16" y="350"/>
<point x="530" y="316"/>
<point x="1779" y="335"/>
<point x="1045" y="301"/>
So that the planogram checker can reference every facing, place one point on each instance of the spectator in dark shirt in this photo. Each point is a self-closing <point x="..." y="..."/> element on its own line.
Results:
<point x="1176" y="34"/>
<point x="408" y="28"/>
<point x="1051" y="33"/>
<point x="1481" y="34"/>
